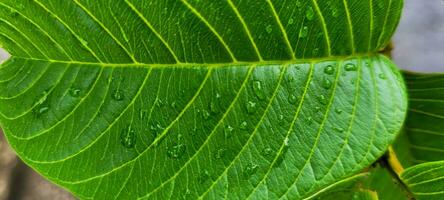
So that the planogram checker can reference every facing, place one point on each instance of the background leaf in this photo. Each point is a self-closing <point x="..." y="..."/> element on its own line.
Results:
<point x="186" y="99"/>
<point x="426" y="180"/>
<point x="425" y="118"/>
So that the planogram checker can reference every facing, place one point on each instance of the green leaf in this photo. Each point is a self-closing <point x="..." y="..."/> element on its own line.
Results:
<point x="426" y="181"/>
<point x="424" y="126"/>
<point x="343" y="189"/>
<point x="185" y="99"/>
<point x="382" y="182"/>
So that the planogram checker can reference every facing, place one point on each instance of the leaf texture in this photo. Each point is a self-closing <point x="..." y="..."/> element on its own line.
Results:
<point x="424" y="126"/>
<point x="199" y="99"/>
<point x="426" y="180"/>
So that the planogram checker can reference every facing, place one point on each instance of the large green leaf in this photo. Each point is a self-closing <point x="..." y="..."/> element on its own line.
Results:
<point x="426" y="180"/>
<point x="424" y="126"/>
<point x="174" y="99"/>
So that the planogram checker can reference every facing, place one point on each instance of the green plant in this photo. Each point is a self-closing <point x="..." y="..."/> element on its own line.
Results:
<point x="229" y="99"/>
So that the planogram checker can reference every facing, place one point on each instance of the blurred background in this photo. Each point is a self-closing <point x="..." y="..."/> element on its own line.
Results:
<point x="419" y="46"/>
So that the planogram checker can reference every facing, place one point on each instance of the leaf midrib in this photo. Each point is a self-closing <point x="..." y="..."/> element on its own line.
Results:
<point x="221" y="64"/>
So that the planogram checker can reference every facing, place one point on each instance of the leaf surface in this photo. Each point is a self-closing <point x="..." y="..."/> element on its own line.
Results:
<point x="199" y="99"/>
<point x="426" y="180"/>
<point x="424" y="126"/>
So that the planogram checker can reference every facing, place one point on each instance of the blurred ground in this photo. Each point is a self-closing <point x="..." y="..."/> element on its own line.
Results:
<point x="419" y="41"/>
<point x="419" y="46"/>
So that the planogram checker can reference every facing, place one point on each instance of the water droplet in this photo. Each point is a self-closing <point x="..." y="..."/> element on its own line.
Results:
<point x="303" y="32"/>
<point x="326" y="84"/>
<point x="281" y="119"/>
<point x="290" y="21"/>
<point x="128" y="137"/>
<point x="206" y="114"/>
<point x="382" y="76"/>
<point x="323" y="100"/>
<point x="334" y="12"/>
<point x="339" y="129"/>
<point x="220" y="153"/>
<point x="298" y="4"/>
<point x="258" y="90"/>
<point x="228" y="131"/>
<point x="74" y="92"/>
<point x="330" y="70"/>
<point x="267" y="151"/>
<point x="176" y="151"/>
<point x="310" y="13"/>
<point x="309" y="120"/>
<point x="250" y="169"/>
<point x="251" y="107"/>
<point x="315" y="51"/>
<point x="243" y="125"/>
<point x="269" y="29"/>
<point x="350" y="67"/>
<point x="174" y="104"/>
<point x="338" y="111"/>
<point x="41" y="105"/>
<point x="43" y="110"/>
<point x="118" y="95"/>
<point x="293" y="99"/>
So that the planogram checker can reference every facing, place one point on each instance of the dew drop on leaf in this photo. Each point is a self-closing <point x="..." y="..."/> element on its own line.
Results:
<point x="41" y="105"/>
<point x="339" y="129"/>
<point x="290" y="21"/>
<point x="243" y="125"/>
<point x="267" y="151"/>
<point x="176" y="151"/>
<point x="303" y="32"/>
<point x="250" y="169"/>
<point x="281" y="119"/>
<point x="174" y="104"/>
<point x="326" y="84"/>
<point x="269" y="29"/>
<point x="128" y="137"/>
<point x="338" y="111"/>
<point x="43" y="110"/>
<point x="330" y="70"/>
<point x="220" y="153"/>
<point x="74" y="92"/>
<point x="323" y="100"/>
<point x="251" y="107"/>
<point x="258" y="90"/>
<point x="293" y="99"/>
<point x="228" y="131"/>
<point x="334" y="12"/>
<point x="350" y="67"/>
<point x="310" y="120"/>
<point x="118" y="95"/>
<point x="309" y="13"/>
